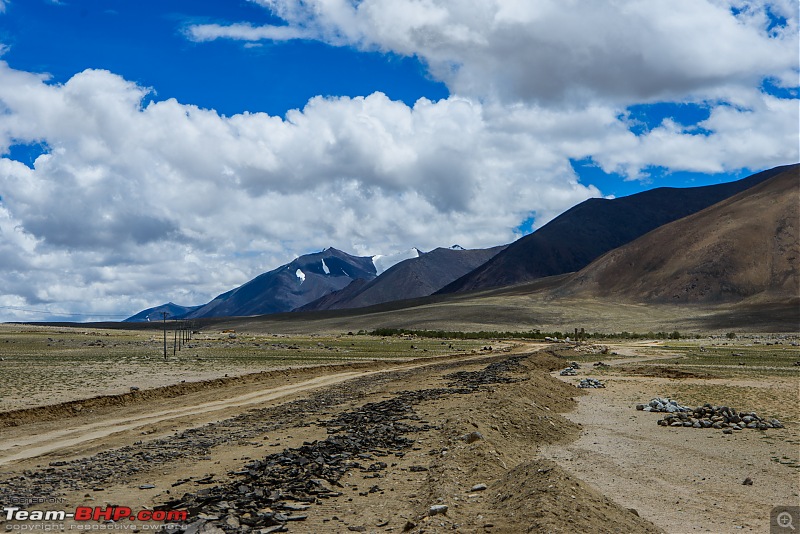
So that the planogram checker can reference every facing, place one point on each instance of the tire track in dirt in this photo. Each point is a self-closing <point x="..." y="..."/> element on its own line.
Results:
<point x="41" y="443"/>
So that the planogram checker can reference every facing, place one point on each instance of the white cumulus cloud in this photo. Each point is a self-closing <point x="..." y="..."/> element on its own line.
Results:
<point x="133" y="195"/>
<point x="562" y="51"/>
<point x="136" y="202"/>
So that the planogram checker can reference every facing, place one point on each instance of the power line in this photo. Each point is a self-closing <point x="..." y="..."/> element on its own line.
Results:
<point x="48" y="312"/>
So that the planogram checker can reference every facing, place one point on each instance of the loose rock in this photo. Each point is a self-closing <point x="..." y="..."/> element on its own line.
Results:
<point x="590" y="383"/>
<point x="707" y="416"/>
<point x="438" y="509"/>
<point x="472" y="437"/>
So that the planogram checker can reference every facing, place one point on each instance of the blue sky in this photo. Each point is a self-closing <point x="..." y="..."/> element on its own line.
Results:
<point x="211" y="141"/>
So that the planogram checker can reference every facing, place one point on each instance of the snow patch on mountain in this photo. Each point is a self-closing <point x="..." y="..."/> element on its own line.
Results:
<point x="325" y="268"/>
<point x="384" y="261"/>
<point x="301" y="275"/>
<point x="457" y="247"/>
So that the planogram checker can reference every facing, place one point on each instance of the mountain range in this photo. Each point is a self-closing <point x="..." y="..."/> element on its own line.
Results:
<point x="411" y="278"/>
<point x="333" y="279"/>
<point x="290" y="286"/>
<point x="157" y="313"/>
<point x="745" y="247"/>
<point x="575" y="238"/>
<point x="663" y="245"/>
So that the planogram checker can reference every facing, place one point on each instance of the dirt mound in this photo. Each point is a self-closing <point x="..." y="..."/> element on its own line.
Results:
<point x="539" y="496"/>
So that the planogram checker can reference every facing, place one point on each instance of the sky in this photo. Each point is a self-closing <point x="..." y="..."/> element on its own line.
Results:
<point x="155" y="151"/>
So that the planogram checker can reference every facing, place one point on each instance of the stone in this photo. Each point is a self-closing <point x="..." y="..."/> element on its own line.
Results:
<point x="478" y="487"/>
<point x="590" y="383"/>
<point x="437" y="509"/>
<point x="472" y="437"/>
<point x="706" y="416"/>
<point x="747" y="481"/>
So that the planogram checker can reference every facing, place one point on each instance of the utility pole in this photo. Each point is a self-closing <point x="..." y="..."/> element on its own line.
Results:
<point x="165" y="334"/>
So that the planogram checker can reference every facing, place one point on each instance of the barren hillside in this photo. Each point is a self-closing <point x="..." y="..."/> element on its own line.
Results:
<point x="747" y="246"/>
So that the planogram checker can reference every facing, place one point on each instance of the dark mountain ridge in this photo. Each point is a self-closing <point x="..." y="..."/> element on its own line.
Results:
<point x="744" y="247"/>
<point x="583" y="233"/>
<point x="290" y="286"/>
<point x="156" y="313"/>
<point x="411" y="278"/>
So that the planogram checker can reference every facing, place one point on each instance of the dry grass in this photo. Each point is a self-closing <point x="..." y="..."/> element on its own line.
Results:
<point x="44" y="365"/>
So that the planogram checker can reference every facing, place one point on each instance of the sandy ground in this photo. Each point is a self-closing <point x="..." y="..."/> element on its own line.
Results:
<point x="684" y="480"/>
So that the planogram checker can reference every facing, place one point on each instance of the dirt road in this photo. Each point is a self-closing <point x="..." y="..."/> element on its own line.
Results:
<point x="393" y="439"/>
<point x="45" y="439"/>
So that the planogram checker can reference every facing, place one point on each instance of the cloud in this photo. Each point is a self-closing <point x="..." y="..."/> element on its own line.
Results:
<point x="137" y="202"/>
<point x="159" y="192"/>
<point x="560" y="52"/>
<point x="243" y="32"/>
<point x="755" y="134"/>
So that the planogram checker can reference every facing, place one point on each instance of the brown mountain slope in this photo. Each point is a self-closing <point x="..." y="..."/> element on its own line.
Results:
<point x="747" y="246"/>
<point x="583" y="233"/>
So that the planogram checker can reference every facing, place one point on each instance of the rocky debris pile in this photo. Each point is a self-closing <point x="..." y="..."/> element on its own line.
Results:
<point x="568" y="371"/>
<point x="575" y="365"/>
<point x="708" y="416"/>
<point x="592" y="349"/>
<point x="194" y="444"/>
<point x="494" y="373"/>
<point x="590" y="383"/>
<point x="659" y="404"/>
<point x="277" y="490"/>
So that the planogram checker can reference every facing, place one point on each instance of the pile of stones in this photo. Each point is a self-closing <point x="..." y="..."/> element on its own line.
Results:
<point x="590" y="383"/>
<point x="494" y="373"/>
<point x="568" y="371"/>
<point x="708" y="416"/>
<point x="663" y="405"/>
<point x="280" y="489"/>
